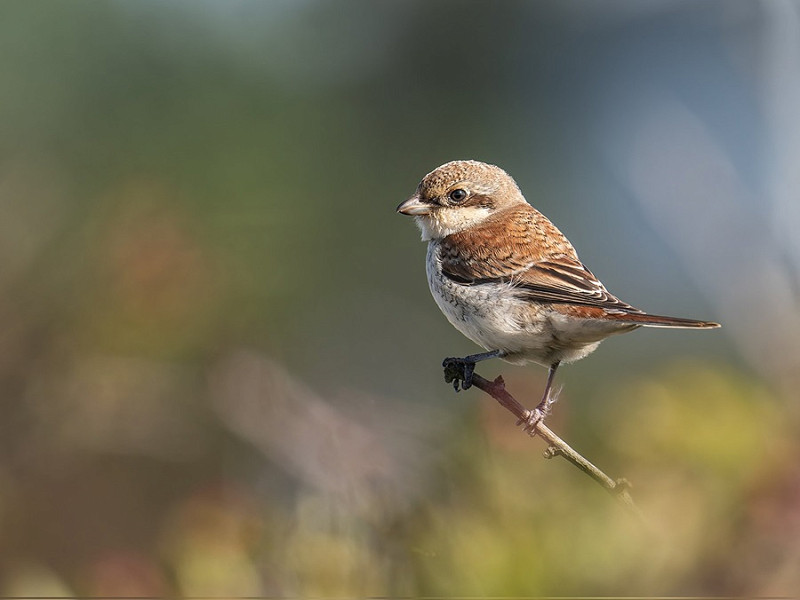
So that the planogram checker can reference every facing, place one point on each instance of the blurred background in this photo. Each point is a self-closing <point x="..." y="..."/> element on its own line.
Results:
<point x="219" y="359"/>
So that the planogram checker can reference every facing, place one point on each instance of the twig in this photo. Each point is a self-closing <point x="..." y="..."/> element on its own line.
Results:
<point x="556" y="446"/>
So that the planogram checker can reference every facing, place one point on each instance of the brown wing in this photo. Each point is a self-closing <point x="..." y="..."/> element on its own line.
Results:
<point x="504" y="245"/>
<point x="575" y="291"/>
<point x="567" y="281"/>
<point x="523" y="248"/>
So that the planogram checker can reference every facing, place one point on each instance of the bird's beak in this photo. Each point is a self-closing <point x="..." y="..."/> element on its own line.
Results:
<point x="414" y="207"/>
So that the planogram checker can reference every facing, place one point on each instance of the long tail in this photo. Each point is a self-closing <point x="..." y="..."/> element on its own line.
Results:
<point x="659" y="321"/>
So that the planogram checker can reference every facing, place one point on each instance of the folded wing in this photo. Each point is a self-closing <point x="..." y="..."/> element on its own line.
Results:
<point x="540" y="265"/>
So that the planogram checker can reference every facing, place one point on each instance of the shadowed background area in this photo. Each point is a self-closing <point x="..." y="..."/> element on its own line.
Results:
<point x="219" y="359"/>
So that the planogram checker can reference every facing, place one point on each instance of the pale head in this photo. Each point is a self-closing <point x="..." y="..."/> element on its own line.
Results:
<point x="458" y="195"/>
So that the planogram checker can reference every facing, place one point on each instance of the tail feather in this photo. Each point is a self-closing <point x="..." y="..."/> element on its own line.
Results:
<point x="659" y="321"/>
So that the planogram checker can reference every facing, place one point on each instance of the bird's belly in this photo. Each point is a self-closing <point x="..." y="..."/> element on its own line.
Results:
<point x="494" y="317"/>
<point x="482" y="313"/>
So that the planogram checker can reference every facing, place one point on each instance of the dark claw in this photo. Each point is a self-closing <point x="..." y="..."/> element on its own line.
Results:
<point x="458" y="372"/>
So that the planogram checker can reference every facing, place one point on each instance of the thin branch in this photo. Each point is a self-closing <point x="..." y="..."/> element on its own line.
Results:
<point x="556" y="446"/>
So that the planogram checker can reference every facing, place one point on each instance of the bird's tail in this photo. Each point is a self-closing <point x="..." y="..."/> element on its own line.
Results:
<point x="659" y="321"/>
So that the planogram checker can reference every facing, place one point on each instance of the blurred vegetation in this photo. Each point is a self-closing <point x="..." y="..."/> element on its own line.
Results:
<point x="218" y="355"/>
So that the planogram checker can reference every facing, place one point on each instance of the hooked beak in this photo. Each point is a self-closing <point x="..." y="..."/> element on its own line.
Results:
<point x="414" y="207"/>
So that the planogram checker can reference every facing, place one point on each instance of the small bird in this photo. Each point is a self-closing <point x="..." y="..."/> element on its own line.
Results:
<point x="509" y="280"/>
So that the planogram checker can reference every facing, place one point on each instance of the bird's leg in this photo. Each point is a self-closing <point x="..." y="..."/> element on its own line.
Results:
<point x="543" y="408"/>
<point x="459" y="370"/>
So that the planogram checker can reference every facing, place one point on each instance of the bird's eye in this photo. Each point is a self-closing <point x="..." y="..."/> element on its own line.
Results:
<point x="457" y="195"/>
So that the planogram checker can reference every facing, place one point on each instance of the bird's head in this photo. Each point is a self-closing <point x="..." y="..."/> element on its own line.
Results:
<point x="458" y="195"/>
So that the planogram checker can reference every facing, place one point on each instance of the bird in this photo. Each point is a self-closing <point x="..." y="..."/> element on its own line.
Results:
<point x="509" y="280"/>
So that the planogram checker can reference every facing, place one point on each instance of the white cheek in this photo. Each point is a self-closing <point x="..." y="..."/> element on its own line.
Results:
<point x="447" y="221"/>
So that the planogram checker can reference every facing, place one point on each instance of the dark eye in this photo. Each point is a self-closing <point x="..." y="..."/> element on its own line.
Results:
<point x="457" y="195"/>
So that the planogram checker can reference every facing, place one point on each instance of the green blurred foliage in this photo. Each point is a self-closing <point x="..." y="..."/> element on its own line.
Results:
<point x="218" y="357"/>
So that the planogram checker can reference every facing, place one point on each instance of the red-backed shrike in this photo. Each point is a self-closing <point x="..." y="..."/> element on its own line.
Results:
<point x="508" y="279"/>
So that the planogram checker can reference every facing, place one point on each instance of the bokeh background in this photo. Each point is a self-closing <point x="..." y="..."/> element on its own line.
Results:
<point x="219" y="360"/>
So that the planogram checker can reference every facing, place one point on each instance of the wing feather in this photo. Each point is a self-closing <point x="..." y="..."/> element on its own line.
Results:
<point x="524" y="249"/>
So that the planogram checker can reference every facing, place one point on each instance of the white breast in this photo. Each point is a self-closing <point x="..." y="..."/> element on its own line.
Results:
<point x="494" y="317"/>
<point x="487" y="314"/>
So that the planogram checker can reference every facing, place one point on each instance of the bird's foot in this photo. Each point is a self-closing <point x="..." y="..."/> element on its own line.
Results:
<point x="459" y="371"/>
<point x="534" y="417"/>
<point x="538" y="414"/>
